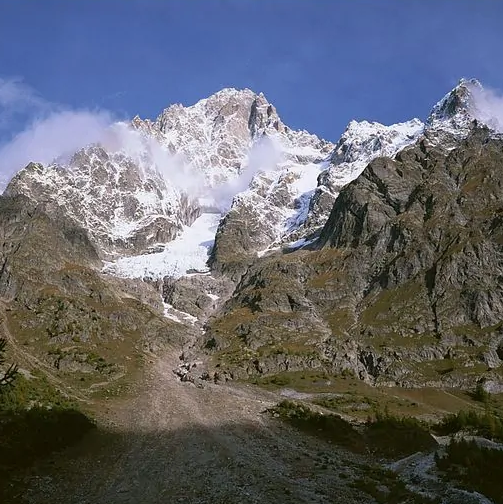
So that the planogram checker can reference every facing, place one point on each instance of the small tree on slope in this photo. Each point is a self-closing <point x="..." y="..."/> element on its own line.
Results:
<point x="8" y="376"/>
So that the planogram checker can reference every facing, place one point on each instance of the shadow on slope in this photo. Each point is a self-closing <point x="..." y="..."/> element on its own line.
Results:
<point x="230" y="463"/>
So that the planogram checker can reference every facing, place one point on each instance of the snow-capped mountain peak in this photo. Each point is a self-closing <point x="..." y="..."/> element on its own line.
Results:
<point x="149" y="180"/>
<point x="361" y="140"/>
<point x="215" y="134"/>
<point x="303" y="214"/>
<point x="360" y="143"/>
<point x="459" y="103"/>
<point x="455" y="115"/>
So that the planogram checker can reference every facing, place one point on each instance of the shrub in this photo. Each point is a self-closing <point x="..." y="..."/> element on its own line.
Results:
<point x="480" y="393"/>
<point x="7" y="376"/>
<point x="391" y="436"/>
<point x="35" y="420"/>
<point x="484" y="424"/>
<point x="333" y="428"/>
<point x="476" y="467"/>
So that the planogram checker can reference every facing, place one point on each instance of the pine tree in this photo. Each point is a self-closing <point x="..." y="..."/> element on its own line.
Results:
<point x="8" y="376"/>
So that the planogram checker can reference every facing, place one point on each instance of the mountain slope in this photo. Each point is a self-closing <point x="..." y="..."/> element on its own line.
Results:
<point x="396" y="292"/>
<point x="296" y="212"/>
<point x="378" y="261"/>
<point x="65" y="318"/>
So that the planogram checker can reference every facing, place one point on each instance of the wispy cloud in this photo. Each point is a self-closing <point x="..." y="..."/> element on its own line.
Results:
<point x="17" y="95"/>
<point x="263" y="157"/>
<point x="53" y="132"/>
<point x="49" y="130"/>
<point x="488" y="107"/>
<point x="57" y="135"/>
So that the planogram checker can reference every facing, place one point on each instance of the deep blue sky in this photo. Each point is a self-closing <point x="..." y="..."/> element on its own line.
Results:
<point x="321" y="62"/>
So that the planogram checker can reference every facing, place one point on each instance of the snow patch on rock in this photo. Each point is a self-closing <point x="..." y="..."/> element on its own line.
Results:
<point x="188" y="253"/>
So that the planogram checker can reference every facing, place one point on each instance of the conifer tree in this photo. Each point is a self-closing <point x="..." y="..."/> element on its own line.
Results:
<point x="8" y="376"/>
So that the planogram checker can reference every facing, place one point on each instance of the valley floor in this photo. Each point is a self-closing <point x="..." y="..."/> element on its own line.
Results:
<point x="180" y="443"/>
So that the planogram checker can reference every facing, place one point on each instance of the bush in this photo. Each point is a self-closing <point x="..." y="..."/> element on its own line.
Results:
<point x="333" y="428"/>
<point x="31" y="434"/>
<point x="476" y="467"/>
<point x="35" y="420"/>
<point x="391" y="436"/>
<point x="480" y="393"/>
<point x="486" y="424"/>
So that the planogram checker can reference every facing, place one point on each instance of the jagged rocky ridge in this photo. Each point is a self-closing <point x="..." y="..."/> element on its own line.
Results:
<point x="309" y="268"/>
<point x="449" y="121"/>
<point x="122" y="208"/>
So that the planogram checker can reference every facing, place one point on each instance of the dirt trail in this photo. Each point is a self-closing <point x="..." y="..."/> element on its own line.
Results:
<point x="180" y="443"/>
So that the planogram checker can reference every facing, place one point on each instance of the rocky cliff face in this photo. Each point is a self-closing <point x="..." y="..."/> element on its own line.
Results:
<point x="215" y="134"/>
<point x="296" y="212"/>
<point x="377" y="255"/>
<point x="405" y="284"/>
<point x="296" y="198"/>
<point x="124" y="208"/>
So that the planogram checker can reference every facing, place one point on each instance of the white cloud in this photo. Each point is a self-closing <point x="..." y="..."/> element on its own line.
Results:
<point x="50" y="130"/>
<point x="264" y="157"/>
<point x="149" y="154"/>
<point x="54" y="132"/>
<point x="488" y="107"/>
<point x="59" y="134"/>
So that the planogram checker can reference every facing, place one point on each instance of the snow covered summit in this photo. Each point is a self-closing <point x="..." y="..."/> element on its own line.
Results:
<point x="141" y="188"/>
<point x="145" y="182"/>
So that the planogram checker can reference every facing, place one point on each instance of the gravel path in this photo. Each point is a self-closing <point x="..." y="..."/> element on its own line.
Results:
<point x="179" y="443"/>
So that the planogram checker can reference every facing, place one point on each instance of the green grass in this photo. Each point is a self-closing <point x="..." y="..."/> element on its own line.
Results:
<point x="28" y="392"/>
<point x="360" y="405"/>
<point x="348" y="395"/>
<point x="388" y="306"/>
<point x="314" y="379"/>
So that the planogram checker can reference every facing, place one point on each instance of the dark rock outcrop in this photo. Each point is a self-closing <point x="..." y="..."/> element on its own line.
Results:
<point x="405" y="284"/>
